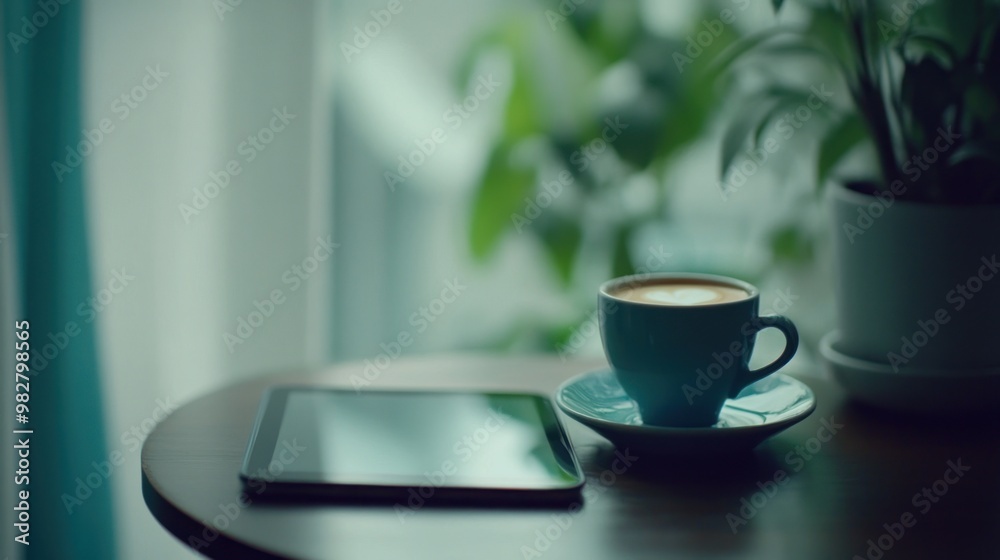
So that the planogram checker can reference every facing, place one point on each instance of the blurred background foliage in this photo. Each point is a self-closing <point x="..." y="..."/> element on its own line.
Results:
<point x="582" y="67"/>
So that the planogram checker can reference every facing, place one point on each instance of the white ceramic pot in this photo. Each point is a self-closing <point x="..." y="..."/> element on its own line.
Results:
<point x="918" y="284"/>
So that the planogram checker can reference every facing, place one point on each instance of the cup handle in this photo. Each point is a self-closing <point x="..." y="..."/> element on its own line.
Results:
<point x="791" y="345"/>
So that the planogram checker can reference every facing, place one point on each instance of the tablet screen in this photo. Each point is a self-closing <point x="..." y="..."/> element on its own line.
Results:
<point x="383" y="438"/>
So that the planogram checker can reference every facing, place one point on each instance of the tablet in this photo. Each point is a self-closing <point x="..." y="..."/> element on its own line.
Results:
<point x="410" y="445"/>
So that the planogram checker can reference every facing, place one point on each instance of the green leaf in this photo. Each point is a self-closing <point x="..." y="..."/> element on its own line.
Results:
<point x="643" y="118"/>
<point x="960" y="21"/>
<point x="471" y="55"/>
<point x="558" y="336"/>
<point x="777" y="5"/>
<point x="685" y="123"/>
<point x="927" y="42"/>
<point x="972" y="151"/>
<point x="613" y="30"/>
<point x="788" y="98"/>
<point x="522" y="118"/>
<point x="621" y="258"/>
<point x="797" y="48"/>
<point x="561" y="239"/>
<point x="837" y="142"/>
<point x="501" y="194"/>
<point x="758" y="110"/>
<point x="741" y="47"/>
<point x="736" y="136"/>
<point x="792" y="245"/>
<point x="584" y="21"/>
<point x="687" y="118"/>
<point x="827" y="27"/>
<point x="692" y="99"/>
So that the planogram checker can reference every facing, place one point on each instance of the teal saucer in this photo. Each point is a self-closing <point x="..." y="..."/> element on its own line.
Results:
<point x="763" y="409"/>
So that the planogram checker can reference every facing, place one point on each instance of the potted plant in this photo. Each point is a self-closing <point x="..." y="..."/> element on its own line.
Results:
<point x="917" y="240"/>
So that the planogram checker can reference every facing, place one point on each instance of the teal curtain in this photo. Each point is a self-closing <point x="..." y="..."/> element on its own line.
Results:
<point x="41" y="67"/>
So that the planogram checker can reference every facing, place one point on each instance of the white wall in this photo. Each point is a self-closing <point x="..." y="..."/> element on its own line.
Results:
<point x="162" y="337"/>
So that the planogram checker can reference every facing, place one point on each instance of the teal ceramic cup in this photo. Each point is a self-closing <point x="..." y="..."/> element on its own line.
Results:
<point x="680" y="362"/>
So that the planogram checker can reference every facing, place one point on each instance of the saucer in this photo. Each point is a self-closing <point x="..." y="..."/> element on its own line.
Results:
<point x="912" y="389"/>
<point x="764" y="408"/>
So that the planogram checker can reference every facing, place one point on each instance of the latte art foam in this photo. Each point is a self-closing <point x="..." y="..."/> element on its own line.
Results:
<point x="681" y="293"/>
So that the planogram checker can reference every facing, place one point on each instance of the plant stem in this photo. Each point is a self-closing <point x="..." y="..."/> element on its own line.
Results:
<point x="868" y="97"/>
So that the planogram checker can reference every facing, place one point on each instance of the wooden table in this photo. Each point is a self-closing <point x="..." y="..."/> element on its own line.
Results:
<point x="837" y="498"/>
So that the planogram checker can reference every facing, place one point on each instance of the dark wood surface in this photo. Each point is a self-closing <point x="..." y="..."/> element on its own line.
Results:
<point x="829" y="506"/>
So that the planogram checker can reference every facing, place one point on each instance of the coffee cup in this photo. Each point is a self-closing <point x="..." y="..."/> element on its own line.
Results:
<point x="680" y="344"/>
